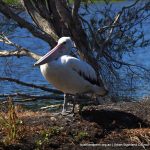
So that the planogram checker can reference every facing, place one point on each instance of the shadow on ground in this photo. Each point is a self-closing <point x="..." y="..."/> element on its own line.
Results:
<point x="114" y="119"/>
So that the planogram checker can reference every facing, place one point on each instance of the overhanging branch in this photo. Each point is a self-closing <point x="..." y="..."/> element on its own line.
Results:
<point x="28" y="97"/>
<point x="4" y="9"/>
<point x="19" y="53"/>
<point x="30" y="85"/>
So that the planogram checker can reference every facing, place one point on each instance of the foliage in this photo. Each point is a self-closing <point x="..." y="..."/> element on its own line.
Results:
<point x="81" y="136"/>
<point x="12" y="2"/>
<point x="46" y="135"/>
<point x="10" y="123"/>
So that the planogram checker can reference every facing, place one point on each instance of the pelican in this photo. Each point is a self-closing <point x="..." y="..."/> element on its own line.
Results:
<point x="69" y="74"/>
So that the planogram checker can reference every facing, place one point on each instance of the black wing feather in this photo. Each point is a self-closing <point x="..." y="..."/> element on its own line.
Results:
<point x="88" y="78"/>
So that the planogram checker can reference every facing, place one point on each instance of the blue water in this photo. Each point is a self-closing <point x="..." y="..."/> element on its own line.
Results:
<point x="24" y="70"/>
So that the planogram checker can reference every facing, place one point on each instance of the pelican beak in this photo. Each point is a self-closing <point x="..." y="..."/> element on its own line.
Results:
<point x="51" y="55"/>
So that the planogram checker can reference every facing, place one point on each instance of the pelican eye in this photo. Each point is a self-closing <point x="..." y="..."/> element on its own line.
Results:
<point x="64" y="43"/>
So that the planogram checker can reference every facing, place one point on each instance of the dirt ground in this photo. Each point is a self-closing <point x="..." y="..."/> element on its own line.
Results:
<point x="122" y="125"/>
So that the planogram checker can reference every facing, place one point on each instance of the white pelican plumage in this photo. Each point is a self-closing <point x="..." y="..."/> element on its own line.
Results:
<point x="69" y="74"/>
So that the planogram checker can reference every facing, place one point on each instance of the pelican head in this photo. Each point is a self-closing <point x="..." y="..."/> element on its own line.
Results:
<point x="63" y="47"/>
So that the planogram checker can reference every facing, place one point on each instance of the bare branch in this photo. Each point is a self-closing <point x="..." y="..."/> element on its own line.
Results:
<point x="23" y="23"/>
<point x="5" y="40"/>
<point x="124" y="63"/>
<point x="29" y="97"/>
<point x="19" y="53"/>
<point x="117" y="17"/>
<point x="85" y="100"/>
<point x="30" y="85"/>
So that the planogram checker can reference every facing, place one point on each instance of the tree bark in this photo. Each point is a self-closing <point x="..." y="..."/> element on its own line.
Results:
<point x="41" y="17"/>
<point x="25" y="24"/>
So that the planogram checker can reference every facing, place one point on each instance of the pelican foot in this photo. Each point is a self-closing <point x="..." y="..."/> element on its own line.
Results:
<point x="65" y="113"/>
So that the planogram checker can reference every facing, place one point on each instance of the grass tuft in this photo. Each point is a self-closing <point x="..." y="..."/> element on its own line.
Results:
<point x="10" y="123"/>
<point x="81" y="136"/>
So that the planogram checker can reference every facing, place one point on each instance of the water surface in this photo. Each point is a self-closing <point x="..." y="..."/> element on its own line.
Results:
<point x="24" y="70"/>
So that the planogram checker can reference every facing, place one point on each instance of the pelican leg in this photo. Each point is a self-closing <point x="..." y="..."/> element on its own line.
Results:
<point x="75" y="101"/>
<point x="80" y="108"/>
<point x="74" y="104"/>
<point x="94" y="97"/>
<point x="67" y="98"/>
<point x="65" y="104"/>
<point x="82" y="100"/>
